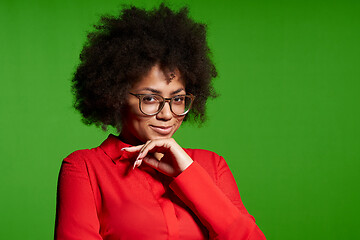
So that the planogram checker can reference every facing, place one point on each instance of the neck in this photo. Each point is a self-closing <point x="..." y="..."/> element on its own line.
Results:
<point x="129" y="139"/>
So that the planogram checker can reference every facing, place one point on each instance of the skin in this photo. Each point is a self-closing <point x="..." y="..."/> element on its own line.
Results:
<point x="151" y="136"/>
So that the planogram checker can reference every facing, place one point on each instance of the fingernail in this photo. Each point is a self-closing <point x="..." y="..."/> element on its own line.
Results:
<point x="137" y="163"/>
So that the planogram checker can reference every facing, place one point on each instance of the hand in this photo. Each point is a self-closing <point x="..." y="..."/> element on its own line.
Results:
<point x="164" y="155"/>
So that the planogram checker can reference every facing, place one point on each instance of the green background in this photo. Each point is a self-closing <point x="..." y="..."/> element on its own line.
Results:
<point x="287" y="120"/>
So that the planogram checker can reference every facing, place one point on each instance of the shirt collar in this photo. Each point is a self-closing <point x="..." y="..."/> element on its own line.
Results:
<point x="112" y="147"/>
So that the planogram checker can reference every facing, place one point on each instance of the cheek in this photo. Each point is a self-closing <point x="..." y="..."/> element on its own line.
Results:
<point x="179" y="122"/>
<point x="139" y="121"/>
<point x="134" y="110"/>
<point x="133" y="114"/>
<point x="137" y="126"/>
<point x="131" y="118"/>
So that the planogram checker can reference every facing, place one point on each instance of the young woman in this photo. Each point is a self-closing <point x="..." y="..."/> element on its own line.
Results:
<point x="145" y="72"/>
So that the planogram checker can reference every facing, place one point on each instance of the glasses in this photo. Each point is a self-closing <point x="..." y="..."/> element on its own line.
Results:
<point x="152" y="104"/>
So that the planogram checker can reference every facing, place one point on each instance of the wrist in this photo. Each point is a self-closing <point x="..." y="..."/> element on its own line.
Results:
<point x="185" y="164"/>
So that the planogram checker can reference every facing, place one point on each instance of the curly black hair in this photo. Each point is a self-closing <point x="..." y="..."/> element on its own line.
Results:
<point x="123" y="48"/>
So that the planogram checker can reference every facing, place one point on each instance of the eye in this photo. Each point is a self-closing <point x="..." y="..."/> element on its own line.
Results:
<point x="148" y="99"/>
<point x="179" y="99"/>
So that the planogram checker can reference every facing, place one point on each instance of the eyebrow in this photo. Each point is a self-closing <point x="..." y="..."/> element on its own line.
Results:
<point x="177" y="91"/>
<point x="159" y="92"/>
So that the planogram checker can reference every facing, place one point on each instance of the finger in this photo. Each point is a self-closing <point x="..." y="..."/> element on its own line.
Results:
<point x="139" y="157"/>
<point x="160" y="166"/>
<point x="138" y="160"/>
<point x="152" y="146"/>
<point x="144" y="146"/>
<point x="152" y="162"/>
<point x="133" y="148"/>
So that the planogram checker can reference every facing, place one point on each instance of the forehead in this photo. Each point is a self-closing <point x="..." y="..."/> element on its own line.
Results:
<point x="157" y="79"/>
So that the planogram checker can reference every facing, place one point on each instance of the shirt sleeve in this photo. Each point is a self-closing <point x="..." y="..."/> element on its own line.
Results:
<point x="76" y="215"/>
<point x="217" y="204"/>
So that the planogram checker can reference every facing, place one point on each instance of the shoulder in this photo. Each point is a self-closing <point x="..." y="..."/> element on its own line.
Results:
<point x="83" y="155"/>
<point x="78" y="161"/>
<point x="78" y="157"/>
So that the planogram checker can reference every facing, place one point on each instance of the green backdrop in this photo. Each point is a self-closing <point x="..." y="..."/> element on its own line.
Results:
<point x="287" y="120"/>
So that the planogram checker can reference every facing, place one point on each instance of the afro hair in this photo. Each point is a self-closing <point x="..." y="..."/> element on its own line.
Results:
<point x="121" y="49"/>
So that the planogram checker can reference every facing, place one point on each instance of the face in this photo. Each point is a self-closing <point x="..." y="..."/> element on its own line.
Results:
<point x="138" y="127"/>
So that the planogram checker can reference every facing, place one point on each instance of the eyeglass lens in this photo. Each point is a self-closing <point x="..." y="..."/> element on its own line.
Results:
<point x="151" y="104"/>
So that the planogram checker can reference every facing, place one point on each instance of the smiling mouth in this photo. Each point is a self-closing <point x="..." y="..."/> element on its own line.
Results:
<point x="162" y="130"/>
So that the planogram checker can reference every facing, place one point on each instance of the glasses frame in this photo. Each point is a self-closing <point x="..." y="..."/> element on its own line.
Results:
<point x="169" y="100"/>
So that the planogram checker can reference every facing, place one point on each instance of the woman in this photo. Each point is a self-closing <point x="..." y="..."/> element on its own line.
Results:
<point x="142" y="72"/>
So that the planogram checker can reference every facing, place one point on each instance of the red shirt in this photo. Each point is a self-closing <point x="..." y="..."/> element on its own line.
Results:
<point x="100" y="196"/>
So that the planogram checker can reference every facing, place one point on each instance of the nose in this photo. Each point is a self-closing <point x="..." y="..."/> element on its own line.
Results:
<point x="165" y="113"/>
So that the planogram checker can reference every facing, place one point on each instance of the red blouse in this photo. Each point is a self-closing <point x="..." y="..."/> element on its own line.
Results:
<point x="100" y="196"/>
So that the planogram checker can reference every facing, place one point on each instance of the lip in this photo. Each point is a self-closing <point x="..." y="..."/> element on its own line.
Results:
<point x="163" y="130"/>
